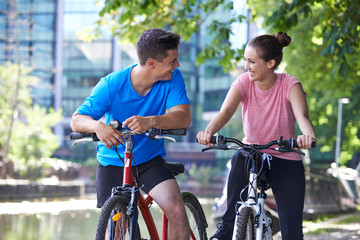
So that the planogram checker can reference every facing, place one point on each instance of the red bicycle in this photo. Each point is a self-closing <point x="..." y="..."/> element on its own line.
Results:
<point x="119" y="215"/>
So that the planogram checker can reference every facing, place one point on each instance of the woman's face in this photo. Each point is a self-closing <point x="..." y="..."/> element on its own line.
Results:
<point x="255" y="65"/>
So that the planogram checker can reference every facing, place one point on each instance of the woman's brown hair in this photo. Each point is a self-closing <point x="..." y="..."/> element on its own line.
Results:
<point x="271" y="46"/>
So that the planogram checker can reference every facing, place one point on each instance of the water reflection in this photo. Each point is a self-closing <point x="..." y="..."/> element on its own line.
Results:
<point x="62" y="220"/>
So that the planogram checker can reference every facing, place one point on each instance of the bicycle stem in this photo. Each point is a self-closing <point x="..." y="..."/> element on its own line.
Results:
<point x="128" y="178"/>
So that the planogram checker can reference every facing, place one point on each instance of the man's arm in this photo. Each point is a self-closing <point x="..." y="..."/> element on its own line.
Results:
<point x="106" y="133"/>
<point x="177" y="117"/>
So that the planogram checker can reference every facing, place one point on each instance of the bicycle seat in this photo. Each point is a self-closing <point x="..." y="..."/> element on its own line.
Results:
<point x="176" y="168"/>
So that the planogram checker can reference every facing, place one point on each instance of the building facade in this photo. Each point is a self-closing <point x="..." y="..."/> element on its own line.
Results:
<point x="43" y="34"/>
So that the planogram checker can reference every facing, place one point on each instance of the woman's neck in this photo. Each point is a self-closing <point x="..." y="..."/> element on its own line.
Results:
<point x="268" y="82"/>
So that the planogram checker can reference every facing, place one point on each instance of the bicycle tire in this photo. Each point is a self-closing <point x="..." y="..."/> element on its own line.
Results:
<point x="196" y="216"/>
<point x="245" y="229"/>
<point x="114" y="213"/>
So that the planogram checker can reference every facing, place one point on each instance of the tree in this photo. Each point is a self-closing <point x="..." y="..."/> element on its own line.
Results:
<point x="308" y="57"/>
<point x="338" y="26"/>
<point x="128" y="19"/>
<point x="326" y="55"/>
<point x="28" y="134"/>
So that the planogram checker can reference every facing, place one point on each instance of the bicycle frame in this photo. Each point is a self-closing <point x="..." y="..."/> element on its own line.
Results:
<point x="143" y="202"/>
<point x="256" y="202"/>
<point x="129" y="192"/>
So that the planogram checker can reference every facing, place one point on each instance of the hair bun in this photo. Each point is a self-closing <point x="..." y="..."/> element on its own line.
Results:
<point x="283" y="39"/>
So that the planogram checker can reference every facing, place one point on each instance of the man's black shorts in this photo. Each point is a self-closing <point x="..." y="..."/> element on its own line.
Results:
<point x="149" y="175"/>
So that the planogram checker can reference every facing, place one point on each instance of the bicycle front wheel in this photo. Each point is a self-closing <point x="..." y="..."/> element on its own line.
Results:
<point x="245" y="229"/>
<point x="196" y="216"/>
<point x="113" y="222"/>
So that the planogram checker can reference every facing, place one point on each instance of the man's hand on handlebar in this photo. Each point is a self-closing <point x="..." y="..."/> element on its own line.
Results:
<point x="108" y="135"/>
<point x="137" y="123"/>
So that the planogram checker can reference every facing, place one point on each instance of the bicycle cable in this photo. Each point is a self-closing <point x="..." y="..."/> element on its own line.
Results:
<point x="249" y="157"/>
<point x="122" y="160"/>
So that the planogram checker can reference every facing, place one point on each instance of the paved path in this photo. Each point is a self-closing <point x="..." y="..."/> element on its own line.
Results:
<point x="350" y="231"/>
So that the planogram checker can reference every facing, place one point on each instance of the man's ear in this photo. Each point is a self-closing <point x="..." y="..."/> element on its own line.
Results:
<point x="151" y="63"/>
<point x="271" y="63"/>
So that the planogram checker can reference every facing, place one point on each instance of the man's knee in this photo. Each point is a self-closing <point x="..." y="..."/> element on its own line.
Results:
<point x="177" y="212"/>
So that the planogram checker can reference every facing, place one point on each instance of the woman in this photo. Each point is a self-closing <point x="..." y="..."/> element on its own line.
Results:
<point x="271" y="104"/>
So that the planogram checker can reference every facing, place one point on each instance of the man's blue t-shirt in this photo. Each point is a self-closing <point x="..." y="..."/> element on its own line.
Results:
<point x="115" y="98"/>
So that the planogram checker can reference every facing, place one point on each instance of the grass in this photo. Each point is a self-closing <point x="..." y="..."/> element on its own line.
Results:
<point x="355" y="218"/>
<point x="350" y="219"/>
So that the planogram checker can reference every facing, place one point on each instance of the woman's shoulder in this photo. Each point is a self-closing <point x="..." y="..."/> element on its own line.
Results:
<point x="287" y="81"/>
<point x="287" y="77"/>
<point x="242" y="81"/>
<point x="244" y="77"/>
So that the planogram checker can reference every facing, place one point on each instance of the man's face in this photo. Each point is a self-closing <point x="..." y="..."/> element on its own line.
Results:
<point x="166" y="68"/>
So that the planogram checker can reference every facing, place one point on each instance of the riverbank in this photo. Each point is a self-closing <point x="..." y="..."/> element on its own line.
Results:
<point x="13" y="189"/>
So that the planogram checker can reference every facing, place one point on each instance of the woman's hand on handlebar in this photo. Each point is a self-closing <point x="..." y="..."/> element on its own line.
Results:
<point x="305" y="141"/>
<point x="108" y="135"/>
<point x="204" y="137"/>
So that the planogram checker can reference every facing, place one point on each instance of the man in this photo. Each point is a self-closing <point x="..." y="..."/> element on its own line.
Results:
<point x="138" y="97"/>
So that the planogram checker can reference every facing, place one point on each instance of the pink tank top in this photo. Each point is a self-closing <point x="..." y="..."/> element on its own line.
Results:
<point x="267" y="115"/>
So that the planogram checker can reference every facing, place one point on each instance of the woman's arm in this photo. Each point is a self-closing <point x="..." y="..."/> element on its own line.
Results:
<point x="227" y="110"/>
<point x="300" y="108"/>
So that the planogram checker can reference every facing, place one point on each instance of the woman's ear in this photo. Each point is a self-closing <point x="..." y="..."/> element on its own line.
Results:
<point x="271" y="63"/>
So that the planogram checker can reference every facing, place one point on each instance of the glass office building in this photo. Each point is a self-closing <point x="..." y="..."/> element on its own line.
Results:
<point x="44" y="32"/>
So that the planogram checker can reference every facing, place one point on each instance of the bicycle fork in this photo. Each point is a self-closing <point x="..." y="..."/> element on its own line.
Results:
<point x="256" y="203"/>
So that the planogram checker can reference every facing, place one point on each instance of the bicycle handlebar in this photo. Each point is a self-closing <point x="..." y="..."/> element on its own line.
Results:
<point x="153" y="133"/>
<point x="284" y="145"/>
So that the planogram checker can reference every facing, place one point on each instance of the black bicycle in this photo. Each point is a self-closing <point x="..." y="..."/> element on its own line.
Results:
<point x="252" y="220"/>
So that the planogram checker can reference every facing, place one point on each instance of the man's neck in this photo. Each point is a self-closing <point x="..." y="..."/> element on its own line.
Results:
<point x="141" y="79"/>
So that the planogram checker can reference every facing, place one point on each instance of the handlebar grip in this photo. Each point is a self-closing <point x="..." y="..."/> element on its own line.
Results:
<point x="218" y="140"/>
<point x="213" y="139"/>
<point x="79" y="135"/>
<point x="181" y="131"/>
<point x="295" y="145"/>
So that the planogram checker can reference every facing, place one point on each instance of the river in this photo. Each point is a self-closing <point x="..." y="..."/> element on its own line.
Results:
<point x="62" y="219"/>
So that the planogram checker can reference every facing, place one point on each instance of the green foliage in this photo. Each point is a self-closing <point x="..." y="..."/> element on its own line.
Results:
<point x="203" y="174"/>
<point x="128" y="19"/>
<point x="339" y="24"/>
<point x="8" y="97"/>
<point x="323" y="55"/>
<point x="34" y="140"/>
<point x="31" y="131"/>
<point x="317" y="65"/>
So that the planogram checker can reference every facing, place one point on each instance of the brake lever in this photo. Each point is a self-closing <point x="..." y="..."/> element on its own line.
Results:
<point x="299" y="152"/>
<point x="165" y="137"/>
<point x="88" y="139"/>
<point x="292" y="150"/>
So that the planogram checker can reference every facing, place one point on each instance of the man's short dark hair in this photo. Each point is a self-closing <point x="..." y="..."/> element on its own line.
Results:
<point x="154" y="43"/>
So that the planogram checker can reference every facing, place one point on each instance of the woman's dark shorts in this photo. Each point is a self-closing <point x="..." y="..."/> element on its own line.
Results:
<point x="149" y="175"/>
